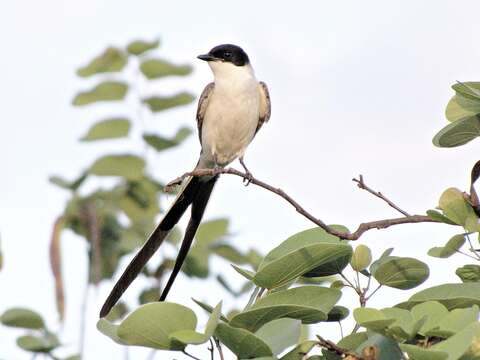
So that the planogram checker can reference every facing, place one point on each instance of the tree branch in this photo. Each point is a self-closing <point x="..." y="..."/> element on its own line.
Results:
<point x="361" y="184"/>
<point x="331" y="346"/>
<point x="362" y="228"/>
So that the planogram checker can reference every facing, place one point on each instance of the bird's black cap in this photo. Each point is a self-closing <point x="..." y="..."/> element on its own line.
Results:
<point x="227" y="53"/>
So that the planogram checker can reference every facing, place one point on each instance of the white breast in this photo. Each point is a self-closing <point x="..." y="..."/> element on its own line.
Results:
<point x="231" y="117"/>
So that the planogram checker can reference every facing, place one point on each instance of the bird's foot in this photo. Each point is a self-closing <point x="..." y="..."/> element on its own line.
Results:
<point x="247" y="179"/>
<point x="217" y="170"/>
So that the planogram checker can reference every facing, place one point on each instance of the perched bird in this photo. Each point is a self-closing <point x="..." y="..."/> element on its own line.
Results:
<point x="230" y="112"/>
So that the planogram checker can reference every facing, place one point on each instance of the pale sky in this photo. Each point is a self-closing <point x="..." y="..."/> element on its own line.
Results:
<point x="356" y="87"/>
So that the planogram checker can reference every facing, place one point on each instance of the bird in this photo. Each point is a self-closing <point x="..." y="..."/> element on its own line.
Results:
<point x="231" y="110"/>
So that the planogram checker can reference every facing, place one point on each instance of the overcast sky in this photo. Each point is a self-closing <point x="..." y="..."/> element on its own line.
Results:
<point x="356" y="87"/>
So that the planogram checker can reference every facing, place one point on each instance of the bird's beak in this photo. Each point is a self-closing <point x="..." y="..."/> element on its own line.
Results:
<point x="206" y="57"/>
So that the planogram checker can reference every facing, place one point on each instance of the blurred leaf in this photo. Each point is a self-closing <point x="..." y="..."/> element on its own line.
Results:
<point x="56" y="266"/>
<point x="157" y="68"/>
<point x="468" y="273"/>
<point x="310" y="304"/>
<point x="117" y="312"/>
<point x="149" y="295"/>
<point x="65" y="184"/>
<point x="128" y="166"/>
<point x="139" y="47"/>
<point x="460" y="107"/>
<point x="241" y="342"/>
<point x="161" y="103"/>
<point x="450" y="248"/>
<point x="361" y="258"/>
<point x="246" y="286"/>
<point x="45" y="343"/>
<point x="161" y="143"/>
<point x="311" y="253"/>
<point x="73" y="357"/>
<point x="140" y="200"/>
<point x="212" y="231"/>
<point x="401" y="273"/>
<point x="459" y="132"/>
<point x="452" y="296"/>
<point x="22" y="318"/>
<point x="105" y="91"/>
<point x="111" y="60"/>
<point x="1" y="257"/>
<point x="338" y="313"/>
<point x="299" y="352"/>
<point x="108" y="129"/>
<point x="229" y="253"/>
<point x="280" y="334"/>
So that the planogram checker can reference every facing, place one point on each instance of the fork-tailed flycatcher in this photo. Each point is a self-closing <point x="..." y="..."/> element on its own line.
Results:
<point x="230" y="112"/>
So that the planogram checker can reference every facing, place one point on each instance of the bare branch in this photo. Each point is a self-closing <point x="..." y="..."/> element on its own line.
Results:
<point x="379" y="224"/>
<point x="361" y="184"/>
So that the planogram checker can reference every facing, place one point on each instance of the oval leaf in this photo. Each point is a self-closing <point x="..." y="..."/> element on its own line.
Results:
<point x="161" y="103"/>
<point x="128" y="166"/>
<point x="108" y="129"/>
<point x="111" y="60"/>
<point x="157" y="68"/>
<point x="361" y="258"/>
<point x="105" y="91"/>
<point x="401" y="273"/>
<point x="22" y="318"/>
<point x="459" y="132"/>
<point x="139" y="47"/>
<point x="241" y="342"/>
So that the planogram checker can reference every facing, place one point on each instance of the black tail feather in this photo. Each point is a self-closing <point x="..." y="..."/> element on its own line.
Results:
<point x="198" y="208"/>
<point x="171" y="218"/>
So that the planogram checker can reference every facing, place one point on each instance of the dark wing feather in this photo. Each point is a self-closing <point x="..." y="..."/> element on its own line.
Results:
<point x="202" y="107"/>
<point x="265" y="106"/>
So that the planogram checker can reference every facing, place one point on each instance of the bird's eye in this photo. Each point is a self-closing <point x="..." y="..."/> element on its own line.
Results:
<point x="227" y="54"/>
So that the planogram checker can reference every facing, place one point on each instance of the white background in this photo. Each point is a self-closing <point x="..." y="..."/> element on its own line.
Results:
<point x="356" y="87"/>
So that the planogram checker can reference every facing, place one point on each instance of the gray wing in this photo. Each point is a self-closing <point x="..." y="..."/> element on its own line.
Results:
<point x="202" y="107"/>
<point x="265" y="106"/>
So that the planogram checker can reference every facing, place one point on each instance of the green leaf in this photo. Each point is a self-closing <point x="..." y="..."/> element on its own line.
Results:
<point x="452" y="296"/>
<point x="117" y="312"/>
<point x="69" y="185"/>
<point x="460" y="107"/>
<point x="280" y="334"/>
<point x="469" y="273"/>
<point x="229" y="253"/>
<point x="44" y="344"/>
<point x="111" y="60"/>
<point x="469" y="90"/>
<point x="312" y="253"/>
<point x="361" y="258"/>
<point x="209" y="309"/>
<point x="161" y="103"/>
<point x="152" y="324"/>
<point x="338" y="313"/>
<point x="161" y="143"/>
<point x="247" y="274"/>
<point x="241" y="342"/>
<point x="157" y="68"/>
<point x="454" y="322"/>
<point x="457" y="209"/>
<point x="299" y="352"/>
<point x="108" y="129"/>
<point x="139" y="47"/>
<point x="110" y="330"/>
<point x="432" y="311"/>
<point x="451" y="247"/>
<point x="459" y="132"/>
<point x="401" y="273"/>
<point x="194" y="338"/>
<point x="22" y="318"/>
<point x="149" y="295"/>
<point x="372" y="319"/>
<point x="387" y="348"/>
<point x="105" y="91"/>
<point x="435" y="215"/>
<point x="212" y="231"/>
<point x="128" y="166"/>
<point x="310" y="304"/>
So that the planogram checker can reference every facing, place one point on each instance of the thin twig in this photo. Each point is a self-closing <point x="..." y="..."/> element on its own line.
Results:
<point x="211" y="348"/>
<point x="219" y="348"/>
<point x="362" y="228"/>
<point x="331" y="346"/>
<point x="373" y="292"/>
<point x="361" y="184"/>
<point x="472" y="249"/>
<point x="190" y="355"/>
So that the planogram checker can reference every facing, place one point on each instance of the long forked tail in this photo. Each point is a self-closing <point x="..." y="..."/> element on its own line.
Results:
<point x="196" y="191"/>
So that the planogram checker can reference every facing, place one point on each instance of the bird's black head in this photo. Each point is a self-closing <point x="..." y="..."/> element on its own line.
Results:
<point x="227" y="53"/>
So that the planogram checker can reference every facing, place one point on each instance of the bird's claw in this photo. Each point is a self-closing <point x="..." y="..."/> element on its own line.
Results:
<point x="248" y="178"/>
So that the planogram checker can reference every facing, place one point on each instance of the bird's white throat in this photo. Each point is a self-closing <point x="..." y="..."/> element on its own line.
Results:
<point x="230" y="75"/>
